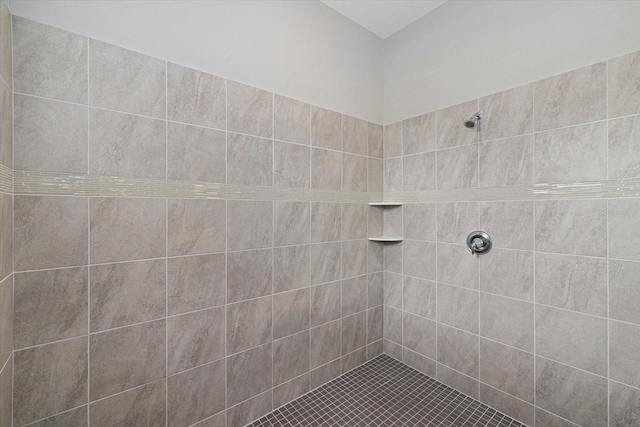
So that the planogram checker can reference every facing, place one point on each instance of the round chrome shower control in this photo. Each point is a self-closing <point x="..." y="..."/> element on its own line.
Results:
<point x="479" y="242"/>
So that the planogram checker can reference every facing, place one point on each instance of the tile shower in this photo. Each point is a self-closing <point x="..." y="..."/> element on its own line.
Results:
<point x="181" y="249"/>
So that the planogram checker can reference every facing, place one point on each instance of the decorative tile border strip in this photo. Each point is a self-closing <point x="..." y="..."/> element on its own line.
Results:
<point x="6" y="179"/>
<point x="614" y="188"/>
<point x="65" y="184"/>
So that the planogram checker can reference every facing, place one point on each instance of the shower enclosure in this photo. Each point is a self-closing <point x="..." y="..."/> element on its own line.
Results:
<point x="178" y="248"/>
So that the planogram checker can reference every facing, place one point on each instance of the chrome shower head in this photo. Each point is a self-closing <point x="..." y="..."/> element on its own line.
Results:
<point x="471" y="123"/>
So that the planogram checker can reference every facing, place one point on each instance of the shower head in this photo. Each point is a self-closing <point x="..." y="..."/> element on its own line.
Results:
<point x="471" y="123"/>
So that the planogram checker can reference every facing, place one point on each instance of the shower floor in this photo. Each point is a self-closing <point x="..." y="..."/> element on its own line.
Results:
<point x="385" y="392"/>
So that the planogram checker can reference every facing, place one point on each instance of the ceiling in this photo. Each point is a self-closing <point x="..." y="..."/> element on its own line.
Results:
<point x="384" y="17"/>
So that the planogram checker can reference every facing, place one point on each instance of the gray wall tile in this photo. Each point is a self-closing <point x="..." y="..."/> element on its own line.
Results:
<point x="49" y="306"/>
<point x="507" y="321"/>
<point x="623" y="78"/>
<point x="354" y="135"/>
<point x="146" y="404"/>
<point x="506" y="162"/>
<point x="49" y="135"/>
<point x="624" y="234"/>
<point x="325" y="303"/>
<point x="507" y="369"/>
<point x="325" y="343"/>
<point x="125" y="229"/>
<point x="196" y="226"/>
<point x="292" y="120"/>
<point x="123" y="80"/>
<point x="291" y="165"/>
<point x="249" y="324"/>
<point x="458" y="307"/>
<point x="508" y="273"/>
<point x="458" y="167"/>
<point x="195" y="338"/>
<point x="507" y="113"/>
<point x="326" y="128"/>
<point x="624" y="347"/>
<point x="290" y="357"/>
<point x="326" y="169"/>
<point x="195" y="282"/>
<point x="571" y="98"/>
<point x="249" y="110"/>
<point x="392" y="140"/>
<point x="419" y="134"/>
<point x="510" y="224"/>
<point x="624" y="295"/>
<point x="458" y="350"/>
<point x="249" y="225"/>
<point x="64" y="364"/>
<point x="291" y="268"/>
<point x="127" y="357"/>
<point x="624" y="402"/>
<point x="451" y="131"/>
<point x="249" y="374"/>
<point x="419" y="172"/>
<point x="195" y="153"/>
<point x="290" y="312"/>
<point x="249" y="160"/>
<point x="292" y="222"/>
<point x="195" y="97"/>
<point x="49" y="232"/>
<point x="419" y="335"/>
<point x="48" y="62"/>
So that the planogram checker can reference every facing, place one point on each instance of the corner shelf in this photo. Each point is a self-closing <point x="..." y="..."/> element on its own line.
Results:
<point x="384" y="205"/>
<point x="386" y="239"/>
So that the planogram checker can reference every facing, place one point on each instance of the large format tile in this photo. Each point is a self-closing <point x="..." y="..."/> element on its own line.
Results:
<point x="126" y="145"/>
<point x="7" y="321"/>
<point x="326" y="128"/>
<point x="458" y="167"/>
<point x="624" y="294"/>
<point x="508" y="273"/>
<point x="507" y="369"/>
<point x="506" y="162"/>
<point x="194" y="339"/>
<point x="455" y="221"/>
<point x="249" y="160"/>
<point x="326" y="260"/>
<point x="290" y="390"/>
<point x="392" y="175"/>
<point x="326" y="171"/>
<point x="195" y="97"/>
<point x="196" y="226"/>
<point x="419" y="134"/>
<point x="63" y="365"/>
<point x="249" y="324"/>
<point x="354" y="258"/>
<point x="623" y="80"/>
<point x="49" y="135"/>
<point x="419" y="221"/>
<point x="291" y="268"/>
<point x="572" y="338"/>
<point x="624" y="404"/>
<point x="325" y="343"/>
<point x="458" y="350"/>
<point x="624" y="230"/>
<point x="510" y="224"/>
<point x="75" y="417"/>
<point x="419" y="335"/>
<point x="419" y="297"/>
<point x="6" y="235"/>
<point x="376" y="141"/>
<point x="195" y="282"/>
<point x="561" y="227"/>
<point x="573" y="394"/>
<point x="507" y="404"/>
<point x="290" y="357"/>
<point x="354" y="135"/>
<point x="126" y="293"/>
<point x="252" y="409"/>
<point x="354" y="172"/>
<point x="575" y="283"/>
<point x="419" y="259"/>
<point x="325" y="222"/>
<point x="291" y="165"/>
<point x="249" y="110"/>
<point x="325" y="303"/>
<point x="127" y="357"/>
<point x="125" y="229"/>
<point x="458" y="381"/>
<point x="354" y="295"/>
<point x="249" y="374"/>
<point x="49" y="306"/>
<point x="572" y="98"/>
<point x="292" y="120"/>
<point x="196" y="394"/>
<point x="507" y="113"/>
<point x="375" y="327"/>
<point x="458" y="307"/>
<point x="354" y="332"/>
<point x="249" y="224"/>
<point x="574" y="154"/>
<point x="249" y="274"/>
<point x="292" y="222"/>
<point x="507" y="321"/>
<point x="419" y="172"/>
<point x="290" y="312"/>
<point x="451" y="129"/>
<point x="624" y="351"/>
<point x="392" y="140"/>
<point x="140" y="406"/>
<point x="6" y="44"/>
<point x="195" y="153"/>
<point x="456" y="266"/>
<point x="354" y="221"/>
<point x="49" y="232"/>
<point x="123" y="80"/>
<point x="48" y="61"/>
<point x="624" y="150"/>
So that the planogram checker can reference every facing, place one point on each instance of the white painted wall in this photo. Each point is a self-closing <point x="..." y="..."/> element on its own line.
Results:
<point x="301" y="49"/>
<point x="467" y="49"/>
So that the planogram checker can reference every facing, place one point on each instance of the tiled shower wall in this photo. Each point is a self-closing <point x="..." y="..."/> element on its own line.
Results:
<point x="547" y="325"/>
<point x="6" y="219"/>
<point x="183" y="309"/>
